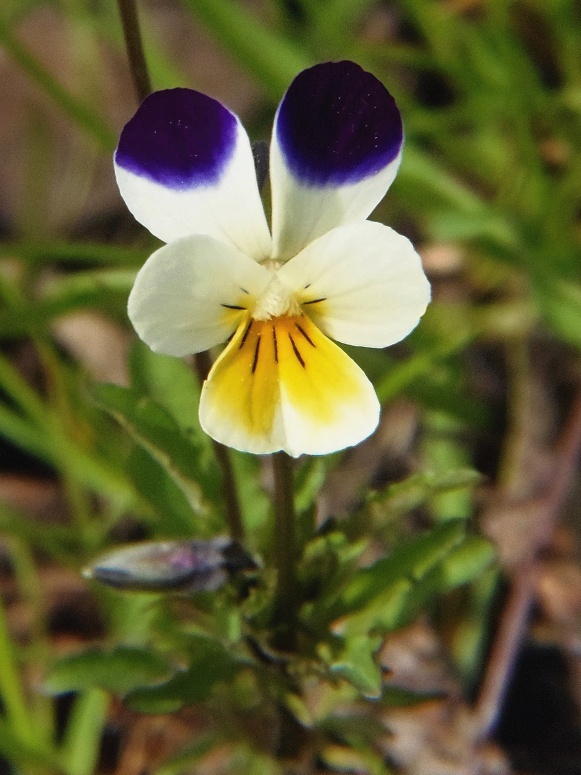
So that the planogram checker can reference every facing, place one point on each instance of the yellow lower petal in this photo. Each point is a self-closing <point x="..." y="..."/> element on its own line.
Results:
<point x="281" y="384"/>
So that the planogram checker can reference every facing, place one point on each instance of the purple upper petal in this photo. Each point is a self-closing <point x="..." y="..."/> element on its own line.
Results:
<point x="179" y="138"/>
<point x="337" y="124"/>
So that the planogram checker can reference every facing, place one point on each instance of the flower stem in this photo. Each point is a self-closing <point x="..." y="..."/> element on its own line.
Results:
<point x="134" y="46"/>
<point x="284" y="549"/>
<point x="233" y="512"/>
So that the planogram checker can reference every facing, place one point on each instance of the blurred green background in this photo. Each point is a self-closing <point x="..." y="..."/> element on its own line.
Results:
<point x="474" y="401"/>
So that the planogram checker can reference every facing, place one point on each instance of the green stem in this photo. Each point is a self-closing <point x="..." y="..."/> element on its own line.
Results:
<point x="134" y="46"/>
<point x="285" y="549"/>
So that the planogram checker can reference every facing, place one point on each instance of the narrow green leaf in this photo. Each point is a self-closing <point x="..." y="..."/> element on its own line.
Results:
<point x="29" y="756"/>
<point x="183" y="761"/>
<point x="55" y="448"/>
<point x="560" y="304"/>
<point x="171" y="383"/>
<point x="328" y="560"/>
<point x="308" y="482"/>
<point x="172" y="513"/>
<point x="44" y="436"/>
<point x="157" y="432"/>
<point x="421" y="172"/>
<point x="342" y="758"/>
<point x="390" y="609"/>
<point x="410" y="561"/>
<point x="467" y="562"/>
<point x="80" y="113"/>
<point x="21" y="393"/>
<point x="397" y="697"/>
<point x="88" y="287"/>
<point x="38" y="253"/>
<point x="406" y="373"/>
<point x="402" y="601"/>
<point x="417" y="489"/>
<point x="452" y="225"/>
<point x="254" y="501"/>
<point x="56" y="540"/>
<point x="25" y="435"/>
<point x="335" y="20"/>
<point x="14" y="703"/>
<point x="80" y="749"/>
<point x="102" y="289"/>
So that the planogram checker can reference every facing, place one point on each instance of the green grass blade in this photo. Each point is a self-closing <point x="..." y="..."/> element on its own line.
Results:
<point x="77" y="111"/>
<point x="271" y="58"/>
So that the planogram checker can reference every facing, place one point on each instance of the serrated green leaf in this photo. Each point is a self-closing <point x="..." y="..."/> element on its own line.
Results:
<point x="412" y="561"/>
<point x="417" y="489"/>
<point x="118" y="671"/>
<point x="355" y="663"/>
<point x="402" y="601"/>
<point x="391" y="609"/>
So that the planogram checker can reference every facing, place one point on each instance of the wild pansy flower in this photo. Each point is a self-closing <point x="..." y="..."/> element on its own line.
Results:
<point x="185" y="168"/>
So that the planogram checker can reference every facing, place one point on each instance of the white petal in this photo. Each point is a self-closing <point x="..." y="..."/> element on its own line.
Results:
<point x="335" y="150"/>
<point x="184" y="166"/>
<point x="192" y="294"/>
<point x="362" y="284"/>
<point x="281" y="384"/>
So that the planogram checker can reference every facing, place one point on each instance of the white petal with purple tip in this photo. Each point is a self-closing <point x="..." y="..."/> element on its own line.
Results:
<point x="184" y="166"/>
<point x="192" y="294"/>
<point x="335" y="150"/>
<point x="362" y="284"/>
